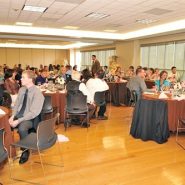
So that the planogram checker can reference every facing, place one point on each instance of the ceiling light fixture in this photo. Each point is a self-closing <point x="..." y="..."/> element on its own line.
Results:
<point x="97" y="15"/>
<point x="112" y="31"/>
<point x="34" y="8"/>
<point x="78" y="45"/>
<point x="24" y="23"/>
<point x="145" y="21"/>
<point x="71" y="27"/>
<point x="45" y="46"/>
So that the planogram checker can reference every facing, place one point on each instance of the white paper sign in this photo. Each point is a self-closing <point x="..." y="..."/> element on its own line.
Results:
<point x="2" y="112"/>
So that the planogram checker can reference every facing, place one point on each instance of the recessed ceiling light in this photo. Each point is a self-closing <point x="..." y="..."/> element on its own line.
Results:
<point x="23" y="23"/>
<point x="71" y="27"/>
<point x="145" y="21"/>
<point x="97" y="15"/>
<point x="112" y="31"/>
<point x="34" y="8"/>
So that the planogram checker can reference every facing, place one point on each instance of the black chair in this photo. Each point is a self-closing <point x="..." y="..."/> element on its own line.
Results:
<point x="150" y="121"/>
<point x="6" y="100"/>
<point x="180" y="127"/>
<point x="3" y="150"/>
<point x="131" y="97"/>
<point x="99" y="98"/>
<point x="76" y="104"/>
<point x="44" y="138"/>
<point x="48" y="110"/>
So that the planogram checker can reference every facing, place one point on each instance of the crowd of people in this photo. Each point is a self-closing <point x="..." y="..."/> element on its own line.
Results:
<point x="22" y="84"/>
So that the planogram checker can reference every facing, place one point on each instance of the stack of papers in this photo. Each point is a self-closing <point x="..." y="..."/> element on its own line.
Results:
<point x="2" y="112"/>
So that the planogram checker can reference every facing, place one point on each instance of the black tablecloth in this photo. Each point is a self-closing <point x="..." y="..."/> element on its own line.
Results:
<point x="150" y="121"/>
<point x="118" y="93"/>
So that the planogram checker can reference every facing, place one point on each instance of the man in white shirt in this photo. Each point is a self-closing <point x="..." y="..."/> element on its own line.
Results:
<point x="174" y="75"/>
<point x="97" y="84"/>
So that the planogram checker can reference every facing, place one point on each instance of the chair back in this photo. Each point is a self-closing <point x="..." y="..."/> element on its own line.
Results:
<point x="76" y="102"/>
<point x="3" y="151"/>
<point x="46" y="136"/>
<point x="6" y="100"/>
<point x="47" y="106"/>
<point x="132" y="97"/>
<point x="99" y="98"/>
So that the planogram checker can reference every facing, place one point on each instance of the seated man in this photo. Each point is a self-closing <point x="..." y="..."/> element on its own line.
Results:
<point x="97" y="84"/>
<point x="42" y="78"/>
<point x="76" y="85"/>
<point x="174" y="75"/>
<point x="27" y="108"/>
<point x="137" y="83"/>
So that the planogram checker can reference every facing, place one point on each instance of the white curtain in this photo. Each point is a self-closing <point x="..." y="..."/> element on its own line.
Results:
<point x="164" y="56"/>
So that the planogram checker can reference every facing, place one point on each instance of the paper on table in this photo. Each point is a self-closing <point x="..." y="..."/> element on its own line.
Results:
<point x="163" y="95"/>
<point x="62" y="138"/>
<point x="2" y="112"/>
<point x="49" y="91"/>
<point x="63" y="91"/>
<point x="182" y="97"/>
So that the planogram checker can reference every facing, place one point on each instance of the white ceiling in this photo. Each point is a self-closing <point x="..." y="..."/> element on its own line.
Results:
<point x="122" y="13"/>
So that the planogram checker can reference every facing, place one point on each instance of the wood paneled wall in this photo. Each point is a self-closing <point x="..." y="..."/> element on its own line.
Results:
<point x="32" y="57"/>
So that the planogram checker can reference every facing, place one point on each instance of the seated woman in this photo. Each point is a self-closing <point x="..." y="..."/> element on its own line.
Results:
<point x="155" y="76"/>
<point x="130" y="71"/>
<point x="11" y="84"/>
<point x="149" y="74"/>
<point x="118" y="72"/>
<point x="162" y="84"/>
<point x="86" y="75"/>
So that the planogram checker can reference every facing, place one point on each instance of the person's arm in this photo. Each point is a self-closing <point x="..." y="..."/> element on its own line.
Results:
<point x="144" y="87"/>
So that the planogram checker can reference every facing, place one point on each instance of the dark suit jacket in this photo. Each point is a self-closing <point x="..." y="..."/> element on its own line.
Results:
<point x="95" y="67"/>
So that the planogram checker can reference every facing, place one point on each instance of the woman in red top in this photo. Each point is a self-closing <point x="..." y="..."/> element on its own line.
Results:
<point x="11" y="84"/>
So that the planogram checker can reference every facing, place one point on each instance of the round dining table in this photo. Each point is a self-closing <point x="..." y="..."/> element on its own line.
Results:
<point x="176" y="108"/>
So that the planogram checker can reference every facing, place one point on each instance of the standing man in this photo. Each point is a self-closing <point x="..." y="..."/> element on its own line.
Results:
<point x="95" y="66"/>
<point x="27" y="109"/>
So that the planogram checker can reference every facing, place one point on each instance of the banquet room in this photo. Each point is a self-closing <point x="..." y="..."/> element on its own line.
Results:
<point x="92" y="92"/>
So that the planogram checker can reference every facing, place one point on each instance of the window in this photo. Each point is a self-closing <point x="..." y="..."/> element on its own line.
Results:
<point x="164" y="55"/>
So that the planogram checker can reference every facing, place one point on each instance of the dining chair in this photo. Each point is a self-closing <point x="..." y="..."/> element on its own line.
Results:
<point x="76" y="104"/>
<point x="3" y="150"/>
<point x="180" y="127"/>
<point x="44" y="138"/>
<point x="48" y="110"/>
